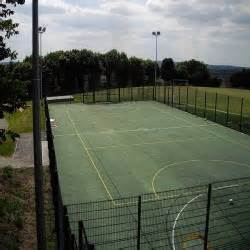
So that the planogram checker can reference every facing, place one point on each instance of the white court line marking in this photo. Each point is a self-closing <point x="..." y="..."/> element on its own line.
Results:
<point x="112" y="131"/>
<point x="210" y="131"/>
<point x="90" y="158"/>
<point x="188" y="161"/>
<point x="187" y="204"/>
<point x="151" y="143"/>
<point x="177" y="218"/>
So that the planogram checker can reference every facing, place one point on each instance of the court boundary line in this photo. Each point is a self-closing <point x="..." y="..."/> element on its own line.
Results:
<point x="214" y="124"/>
<point x="189" y="202"/>
<point x="149" y="143"/>
<point x="137" y="130"/>
<point x="187" y="161"/>
<point x="90" y="158"/>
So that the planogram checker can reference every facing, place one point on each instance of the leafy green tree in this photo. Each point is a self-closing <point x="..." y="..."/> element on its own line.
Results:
<point x="137" y="71"/>
<point x="195" y="71"/>
<point x="149" y="67"/>
<point x="8" y="28"/>
<point x="241" y="79"/>
<point x="168" y="71"/>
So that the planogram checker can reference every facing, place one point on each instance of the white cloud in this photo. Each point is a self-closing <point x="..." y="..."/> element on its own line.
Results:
<point x="200" y="29"/>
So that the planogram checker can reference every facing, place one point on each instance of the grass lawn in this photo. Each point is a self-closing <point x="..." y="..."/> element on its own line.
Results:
<point x="7" y="148"/>
<point x="227" y="91"/>
<point x="21" y="122"/>
<point x="234" y="94"/>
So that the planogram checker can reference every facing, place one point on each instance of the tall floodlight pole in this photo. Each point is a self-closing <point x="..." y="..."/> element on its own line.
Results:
<point x="41" y="30"/>
<point x="156" y="34"/>
<point x="38" y="170"/>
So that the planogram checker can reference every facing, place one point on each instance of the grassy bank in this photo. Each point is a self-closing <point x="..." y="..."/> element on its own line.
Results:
<point x="17" y="209"/>
<point x="21" y="122"/>
<point x="7" y="148"/>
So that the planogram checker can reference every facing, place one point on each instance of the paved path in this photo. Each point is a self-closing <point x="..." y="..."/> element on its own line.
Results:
<point x="23" y="155"/>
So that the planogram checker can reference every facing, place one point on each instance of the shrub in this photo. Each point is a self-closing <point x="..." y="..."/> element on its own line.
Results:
<point x="7" y="172"/>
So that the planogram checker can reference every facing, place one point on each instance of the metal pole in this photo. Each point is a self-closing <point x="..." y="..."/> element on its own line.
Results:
<point x="80" y="233"/>
<point x="195" y="102"/>
<point x="38" y="170"/>
<point x="41" y="70"/>
<point x="241" y="113"/>
<point x="207" y="215"/>
<point x="155" y="66"/>
<point x="205" y="108"/>
<point x="228" y="100"/>
<point x="215" y="107"/>
<point x="172" y="93"/>
<point x="139" y="224"/>
<point x="179" y="91"/>
<point x="164" y="93"/>
<point x="187" y="101"/>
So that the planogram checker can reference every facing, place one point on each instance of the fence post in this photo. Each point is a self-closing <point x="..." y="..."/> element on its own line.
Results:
<point x="139" y="224"/>
<point x="168" y="96"/>
<point x="66" y="229"/>
<point x="119" y="93"/>
<point x="80" y="233"/>
<point x="172" y="93"/>
<point x="207" y="215"/>
<point x="215" y="107"/>
<point x="195" y="101"/>
<point x="93" y="93"/>
<point x="227" y="110"/>
<point x="187" y="101"/>
<point x="179" y="90"/>
<point x="131" y="93"/>
<point x="164" y="100"/>
<point x="83" y="94"/>
<point x="143" y="91"/>
<point x="241" y="113"/>
<point x="205" y="105"/>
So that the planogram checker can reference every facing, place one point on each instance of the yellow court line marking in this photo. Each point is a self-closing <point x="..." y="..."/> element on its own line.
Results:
<point x="183" y="162"/>
<point x="151" y="143"/>
<point x="90" y="158"/>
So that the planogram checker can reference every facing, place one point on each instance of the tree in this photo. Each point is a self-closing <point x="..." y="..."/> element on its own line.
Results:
<point x="195" y="71"/>
<point x="241" y="79"/>
<point x="8" y="28"/>
<point x="149" y="68"/>
<point x="168" y="71"/>
<point x="137" y="72"/>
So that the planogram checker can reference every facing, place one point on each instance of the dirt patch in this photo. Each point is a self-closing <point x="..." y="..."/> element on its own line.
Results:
<point x="17" y="209"/>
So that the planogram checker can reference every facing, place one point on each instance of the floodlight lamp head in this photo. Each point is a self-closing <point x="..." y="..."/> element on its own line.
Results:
<point x="44" y="29"/>
<point x="153" y="33"/>
<point x="158" y="33"/>
<point x="40" y="29"/>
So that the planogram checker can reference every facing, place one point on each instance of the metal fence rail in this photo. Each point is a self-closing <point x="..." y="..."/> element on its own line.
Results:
<point x="213" y="216"/>
<point x="230" y="111"/>
<point x="65" y="239"/>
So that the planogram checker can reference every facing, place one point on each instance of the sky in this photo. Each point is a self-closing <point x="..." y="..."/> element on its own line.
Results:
<point x="213" y="31"/>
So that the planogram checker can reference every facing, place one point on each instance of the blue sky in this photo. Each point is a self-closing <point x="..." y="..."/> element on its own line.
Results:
<point x="213" y="31"/>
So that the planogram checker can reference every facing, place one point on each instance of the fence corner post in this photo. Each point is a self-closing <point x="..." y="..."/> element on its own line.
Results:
<point x="139" y="224"/>
<point x="207" y="215"/>
<point x="80" y="233"/>
<point x="241" y="113"/>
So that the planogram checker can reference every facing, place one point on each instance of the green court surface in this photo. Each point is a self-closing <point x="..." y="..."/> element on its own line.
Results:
<point x="108" y="151"/>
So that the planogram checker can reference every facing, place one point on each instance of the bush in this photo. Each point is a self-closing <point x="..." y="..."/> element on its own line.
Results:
<point x="7" y="172"/>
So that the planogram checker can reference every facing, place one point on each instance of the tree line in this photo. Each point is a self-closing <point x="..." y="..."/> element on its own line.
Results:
<point x="76" y="70"/>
